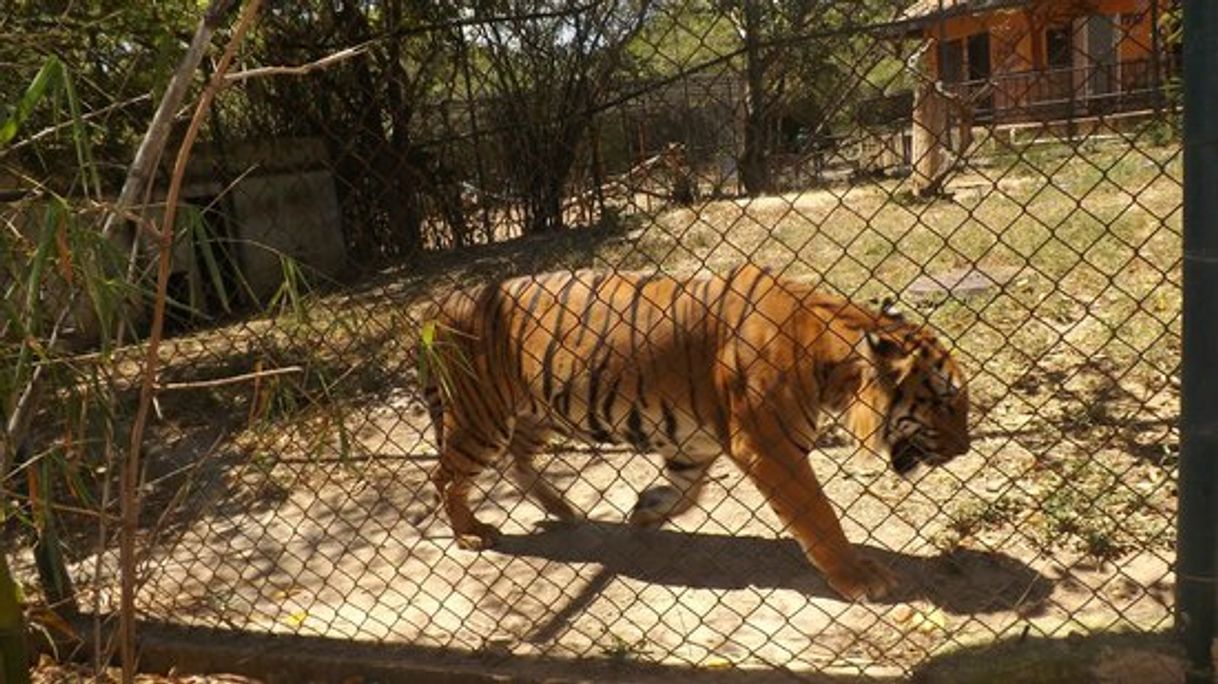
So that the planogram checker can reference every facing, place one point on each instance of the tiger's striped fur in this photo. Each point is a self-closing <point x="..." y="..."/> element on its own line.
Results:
<point x="746" y="365"/>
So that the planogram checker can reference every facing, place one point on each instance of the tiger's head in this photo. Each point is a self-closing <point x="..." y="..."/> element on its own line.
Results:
<point x="924" y="398"/>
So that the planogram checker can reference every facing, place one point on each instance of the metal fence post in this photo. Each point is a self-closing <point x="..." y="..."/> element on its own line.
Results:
<point x="1197" y="569"/>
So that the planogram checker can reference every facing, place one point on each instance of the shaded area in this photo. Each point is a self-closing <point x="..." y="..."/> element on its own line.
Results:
<point x="963" y="581"/>
<point x="277" y="659"/>
<point x="1149" y="658"/>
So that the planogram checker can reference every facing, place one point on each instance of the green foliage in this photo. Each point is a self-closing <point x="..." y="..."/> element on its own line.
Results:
<point x="289" y="298"/>
<point x="193" y="229"/>
<point x="46" y="79"/>
<point x="114" y="52"/>
<point x="436" y="354"/>
<point x="64" y="284"/>
<point x="53" y="83"/>
<point x="683" y="37"/>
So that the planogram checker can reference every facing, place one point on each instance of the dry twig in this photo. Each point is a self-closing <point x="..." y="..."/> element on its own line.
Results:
<point x="231" y="380"/>
<point x="129" y="486"/>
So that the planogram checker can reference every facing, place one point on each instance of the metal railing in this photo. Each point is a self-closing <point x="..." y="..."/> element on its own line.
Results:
<point x="1060" y="93"/>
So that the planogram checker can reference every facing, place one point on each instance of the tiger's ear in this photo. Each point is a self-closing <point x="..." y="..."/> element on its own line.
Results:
<point x="890" y="357"/>
<point x="889" y="308"/>
<point x="883" y="348"/>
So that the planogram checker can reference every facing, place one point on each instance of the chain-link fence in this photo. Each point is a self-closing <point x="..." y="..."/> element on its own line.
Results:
<point x="597" y="179"/>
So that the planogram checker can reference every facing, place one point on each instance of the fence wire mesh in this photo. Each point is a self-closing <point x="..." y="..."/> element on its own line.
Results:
<point x="1010" y="173"/>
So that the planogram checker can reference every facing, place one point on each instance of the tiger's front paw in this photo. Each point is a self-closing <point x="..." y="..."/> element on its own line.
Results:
<point x="480" y="537"/>
<point x="864" y="578"/>
<point x="654" y="506"/>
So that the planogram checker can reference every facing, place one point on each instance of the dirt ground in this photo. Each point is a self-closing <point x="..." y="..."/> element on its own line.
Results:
<point x="354" y="552"/>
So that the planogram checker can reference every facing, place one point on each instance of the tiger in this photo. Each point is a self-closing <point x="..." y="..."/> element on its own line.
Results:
<point x="749" y="364"/>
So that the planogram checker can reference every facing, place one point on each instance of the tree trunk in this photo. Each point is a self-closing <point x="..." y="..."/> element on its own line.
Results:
<point x="405" y="206"/>
<point x="403" y="202"/>
<point x="544" y="201"/>
<point x="929" y="139"/>
<point x="548" y="156"/>
<point x="754" y="162"/>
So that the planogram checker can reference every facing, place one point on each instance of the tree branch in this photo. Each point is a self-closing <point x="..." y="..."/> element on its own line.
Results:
<point x="87" y="117"/>
<point x="299" y="70"/>
<point x="232" y="380"/>
<point x="140" y="172"/>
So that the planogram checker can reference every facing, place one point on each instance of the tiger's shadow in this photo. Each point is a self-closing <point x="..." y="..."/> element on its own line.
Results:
<point x="963" y="581"/>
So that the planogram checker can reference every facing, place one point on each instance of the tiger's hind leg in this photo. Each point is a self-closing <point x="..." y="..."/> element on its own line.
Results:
<point x="525" y="444"/>
<point x="684" y="477"/>
<point x="462" y="457"/>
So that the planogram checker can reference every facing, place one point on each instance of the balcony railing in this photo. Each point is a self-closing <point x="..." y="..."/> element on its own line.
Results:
<point x="1061" y="93"/>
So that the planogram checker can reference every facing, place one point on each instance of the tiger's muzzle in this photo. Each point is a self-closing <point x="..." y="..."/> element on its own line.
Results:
<point x="907" y="452"/>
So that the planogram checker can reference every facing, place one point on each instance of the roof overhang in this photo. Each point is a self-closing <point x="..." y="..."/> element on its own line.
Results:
<point x="926" y="13"/>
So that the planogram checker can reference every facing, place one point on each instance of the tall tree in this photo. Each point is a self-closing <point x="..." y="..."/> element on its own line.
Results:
<point x="811" y="57"/>
<point x="754" y="161"/>
<point x="550" y="65"/>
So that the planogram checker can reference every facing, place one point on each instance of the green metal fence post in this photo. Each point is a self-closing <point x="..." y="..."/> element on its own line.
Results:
<point x="1197" y="560"/>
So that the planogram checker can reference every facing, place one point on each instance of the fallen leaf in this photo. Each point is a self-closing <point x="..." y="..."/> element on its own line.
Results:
<point x="296" y="619"/>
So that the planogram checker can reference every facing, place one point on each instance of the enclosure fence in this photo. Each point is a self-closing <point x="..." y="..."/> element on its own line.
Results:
<point x="599" y="178"/>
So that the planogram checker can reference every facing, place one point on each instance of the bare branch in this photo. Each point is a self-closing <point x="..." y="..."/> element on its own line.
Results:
<point x="140" y="172"/>
<point x="232" y="380"/>
<point x="87" y="117"/>
<point x="299" y="70"/>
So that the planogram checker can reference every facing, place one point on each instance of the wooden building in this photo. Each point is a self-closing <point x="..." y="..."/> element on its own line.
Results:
<point x="1004" y="62"/>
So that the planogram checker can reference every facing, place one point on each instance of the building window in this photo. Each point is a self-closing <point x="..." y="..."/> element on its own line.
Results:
<point x="979" y="56"/>
<point x="1059" y="47"/>
<point x="953" y="62"/>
